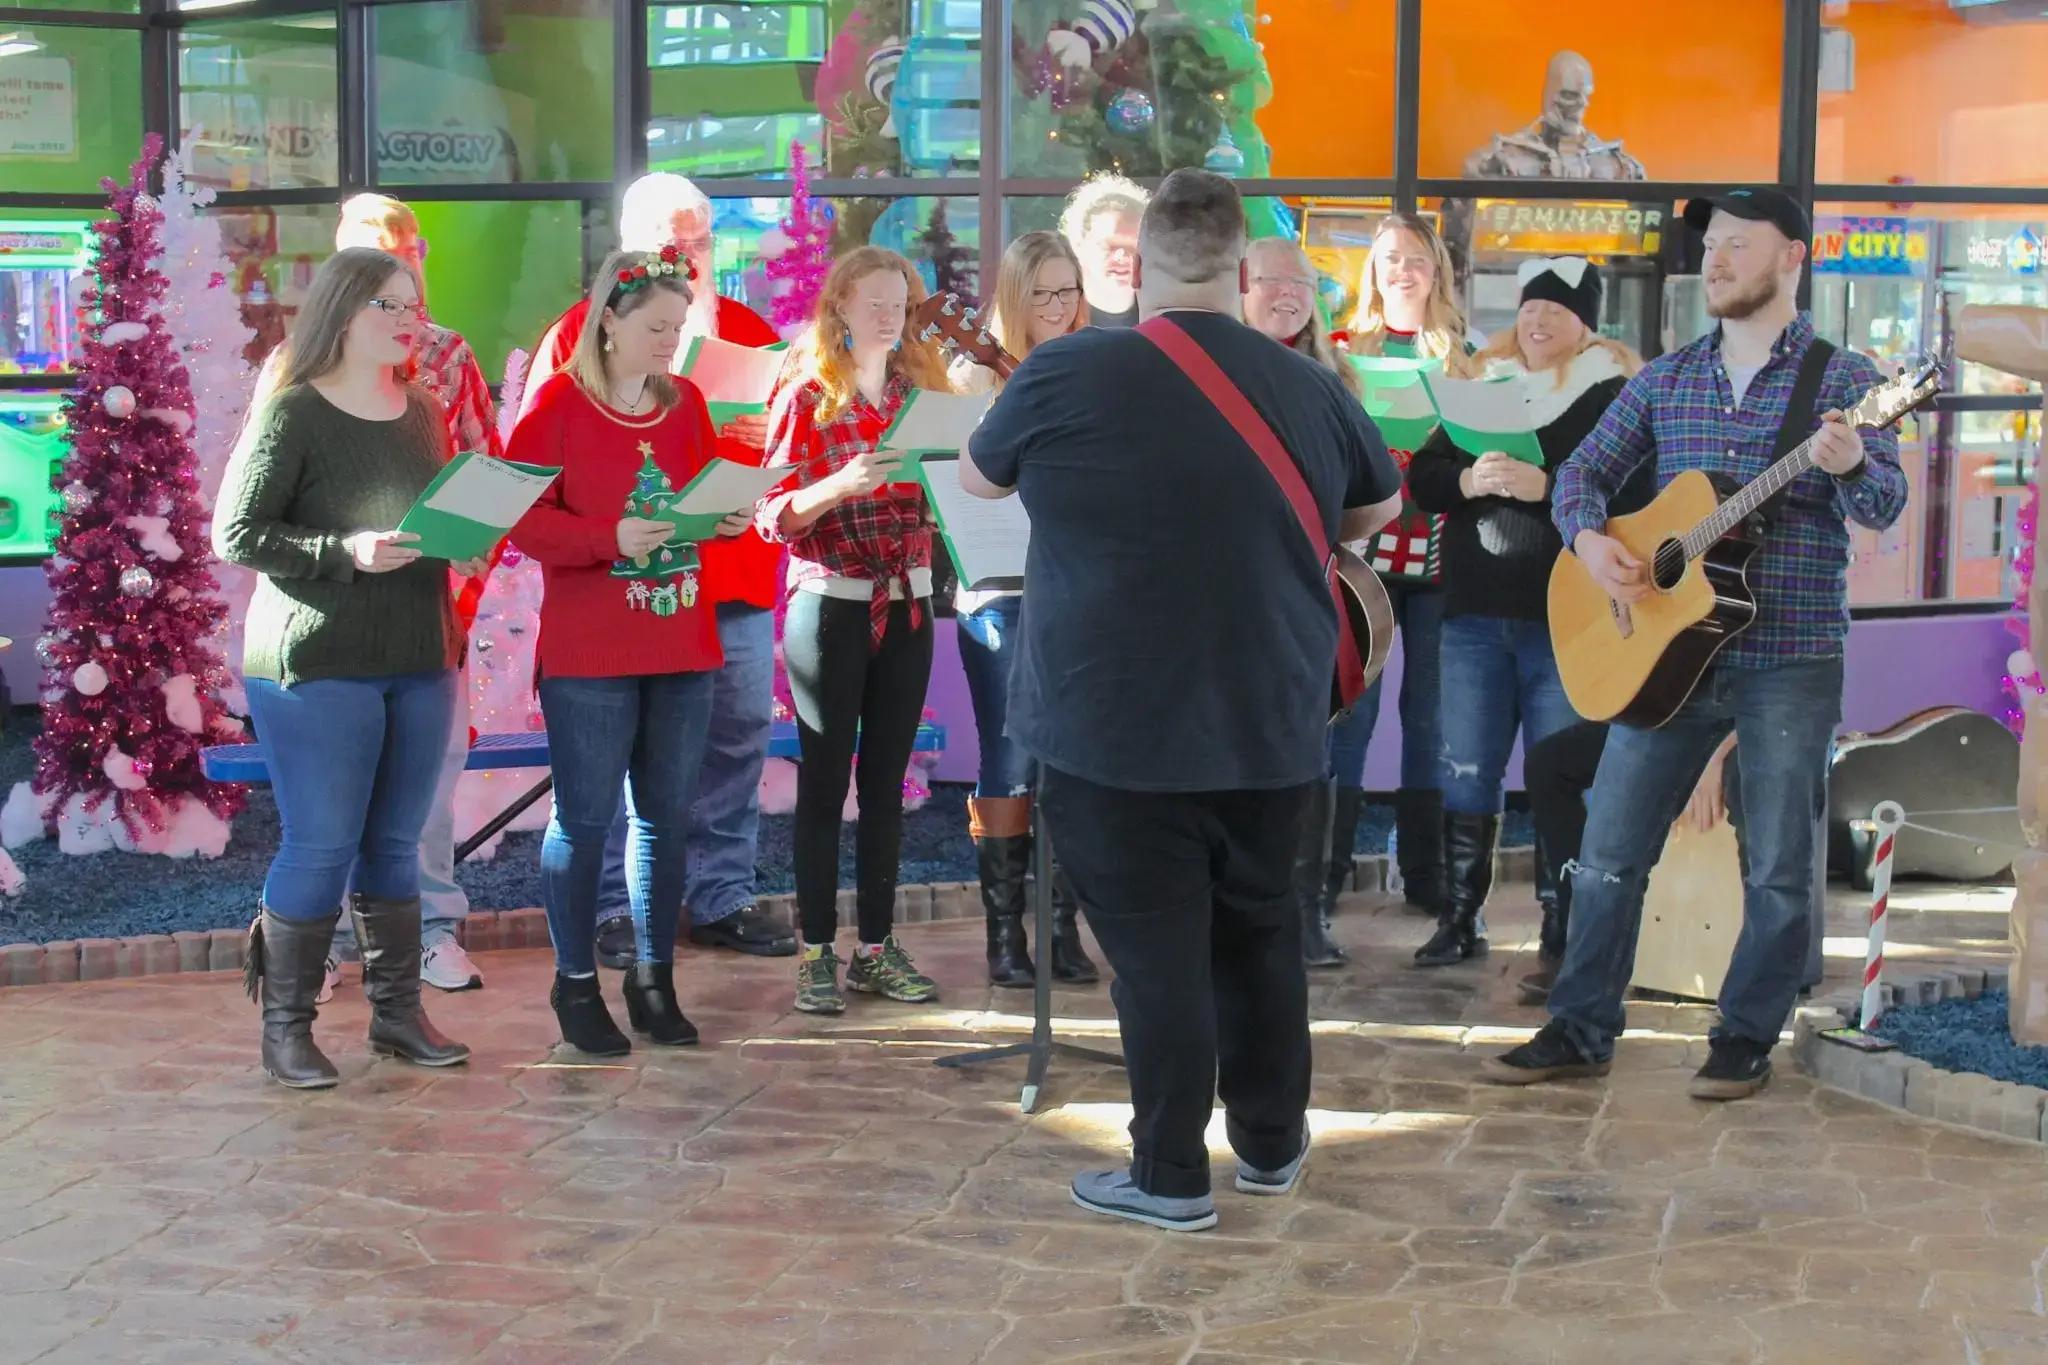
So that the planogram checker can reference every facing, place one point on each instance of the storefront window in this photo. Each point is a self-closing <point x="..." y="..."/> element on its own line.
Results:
<point x="503" y="296"/>
<point x="92" y="6"/>
<point x="70" y="106"/>
<point x="256" y="102"/>
<point x="889" y="93"/>
<point x="490" y="91"/>
<point x="1145" y="91"/>
<point x="1933" y="92"/>
<point x="272" y="254"/>
<point x="1614" y="93"/>
<point x="942" y="236"/>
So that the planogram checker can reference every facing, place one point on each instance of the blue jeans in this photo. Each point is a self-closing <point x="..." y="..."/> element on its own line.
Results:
<point x="1498" y="675"/>
<point x="725" y="819"/>
<point x="988" y="648"/>
<point x="647" y="733"/>
<point x="1784" y="721"/>
<point x="1420" y="616"/>
<point x="443" y="902"/>
<point x="353" y="764"/>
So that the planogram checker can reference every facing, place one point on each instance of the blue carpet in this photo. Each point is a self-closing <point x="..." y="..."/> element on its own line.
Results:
<point x="1967" y="1035"/>
<point x="113" y="895"/>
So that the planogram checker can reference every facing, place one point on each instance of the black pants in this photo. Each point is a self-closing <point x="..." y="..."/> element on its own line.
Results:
<point x="1191" y="898"/>
<point x="846" y="691"/>
<point x="1558" y="772"/>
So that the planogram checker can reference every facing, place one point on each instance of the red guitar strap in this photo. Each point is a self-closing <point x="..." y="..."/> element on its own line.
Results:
<point x="1208" y="377"/>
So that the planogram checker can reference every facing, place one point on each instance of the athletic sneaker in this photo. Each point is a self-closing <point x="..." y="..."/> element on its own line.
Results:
<point x="1550" y="1056"/>
<point x="1736" y="1069"/>
<point x="888" y="971"/>
<point x="1116" y="1194"/>
<point x="446" y="967"/>
<point x="817" y="981"/>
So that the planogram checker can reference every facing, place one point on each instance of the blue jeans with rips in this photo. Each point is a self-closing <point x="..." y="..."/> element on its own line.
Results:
<point x="1784" y="720"/>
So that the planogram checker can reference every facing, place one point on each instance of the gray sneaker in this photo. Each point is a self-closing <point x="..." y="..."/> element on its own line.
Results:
<point x="1116" y="1194"/>
<point x="1251" y="1180"/>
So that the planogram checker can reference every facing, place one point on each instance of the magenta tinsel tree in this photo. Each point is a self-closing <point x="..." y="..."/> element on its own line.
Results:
<point x="808" y="258"/>
<point x="130" y="688"/>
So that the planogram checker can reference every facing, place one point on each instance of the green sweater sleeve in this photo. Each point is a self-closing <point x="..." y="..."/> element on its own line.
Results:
<point x="251" y="525"/>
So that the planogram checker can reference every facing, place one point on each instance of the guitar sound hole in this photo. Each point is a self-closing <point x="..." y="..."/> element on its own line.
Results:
<point x="1667" y="566"/>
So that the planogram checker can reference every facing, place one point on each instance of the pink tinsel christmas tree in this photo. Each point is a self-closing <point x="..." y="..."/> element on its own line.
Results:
<point x="804" y="255"/>
<point x="131" y="683"/>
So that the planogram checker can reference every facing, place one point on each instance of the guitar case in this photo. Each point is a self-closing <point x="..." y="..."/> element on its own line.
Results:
<point x="1947" y="759"/>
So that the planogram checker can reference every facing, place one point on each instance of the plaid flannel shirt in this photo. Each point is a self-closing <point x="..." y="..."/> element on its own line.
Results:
<point x="447" y="368"/>
<point x="1681" y="412"/>
<point x="877" y="539"/>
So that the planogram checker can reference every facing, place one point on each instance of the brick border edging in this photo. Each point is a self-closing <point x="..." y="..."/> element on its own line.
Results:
<point x="222" y="950"/>
<point x="1966" y="1099"/>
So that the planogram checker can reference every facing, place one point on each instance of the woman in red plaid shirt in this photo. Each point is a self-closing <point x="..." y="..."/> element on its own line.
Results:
<point x="857" y="640"/>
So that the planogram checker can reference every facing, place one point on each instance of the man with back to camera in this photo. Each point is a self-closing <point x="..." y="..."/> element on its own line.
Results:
<point x="1177" y="701"/>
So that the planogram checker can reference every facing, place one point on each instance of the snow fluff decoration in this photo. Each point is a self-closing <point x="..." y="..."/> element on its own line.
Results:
<point x="21" y="819"/>
<point x="191" y="830"/>
<point x="181" y="704"/>
<point x="82" y="830"/>
<point x="12" y="883"/>
<point x="153" y="534"/>
<point x="2020" y="664"/>
<point x="778" y="787"/>
<point x="121" y="333"/>
<point x="177" y="419"/>
<point x="89" y="678"/>
<point x="120" y="770"/>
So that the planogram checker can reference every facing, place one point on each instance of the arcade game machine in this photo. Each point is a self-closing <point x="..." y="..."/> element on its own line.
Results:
<point x="1626" y="240"/>
<point x="43" y="266"/>
<point x="1337" y="236"/>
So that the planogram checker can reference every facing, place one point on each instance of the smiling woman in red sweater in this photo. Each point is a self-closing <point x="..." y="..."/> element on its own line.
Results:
<point x="627" y="645"/>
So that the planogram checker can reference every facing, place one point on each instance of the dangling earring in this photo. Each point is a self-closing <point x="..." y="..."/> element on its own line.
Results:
<point x="607" y="343"/>
<point x="898" y="346"/>
<point x="847" y="340"/>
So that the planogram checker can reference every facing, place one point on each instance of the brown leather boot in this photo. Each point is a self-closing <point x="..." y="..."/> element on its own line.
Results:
<point x="389" y="934"/>
<point x="287" y="963"/>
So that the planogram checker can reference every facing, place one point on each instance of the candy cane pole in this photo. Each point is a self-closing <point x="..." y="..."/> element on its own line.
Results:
<point x="1888" y="817"/>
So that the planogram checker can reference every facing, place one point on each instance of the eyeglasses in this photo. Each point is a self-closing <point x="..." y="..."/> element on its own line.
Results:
<point x="397" y="308"/>
<point x="695" y="246"/>
<point x="1297" y="283"/>
<point x="1046" y="298"/>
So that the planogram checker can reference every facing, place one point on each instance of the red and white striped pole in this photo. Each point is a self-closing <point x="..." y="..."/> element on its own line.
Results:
<point x="1888" y="816"/>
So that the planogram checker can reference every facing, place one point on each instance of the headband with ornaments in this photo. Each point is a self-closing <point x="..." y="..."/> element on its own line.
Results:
<point x="667" y="263"/>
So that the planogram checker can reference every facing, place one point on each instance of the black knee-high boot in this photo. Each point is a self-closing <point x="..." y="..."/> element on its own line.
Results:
<point x="1001" y="827"/>
<point x="389" y="933"/>
<point x="1070" y="961"/>
<point x="1469" y="843"/>
<point x="1345" y="807"/>
<point x="287" y="962"/>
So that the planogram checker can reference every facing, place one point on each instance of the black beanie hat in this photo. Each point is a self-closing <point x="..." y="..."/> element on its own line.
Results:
<point x="1572" y="281"/>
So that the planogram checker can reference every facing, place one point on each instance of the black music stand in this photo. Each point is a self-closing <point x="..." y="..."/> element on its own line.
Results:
<point x="1042" y="1047"/>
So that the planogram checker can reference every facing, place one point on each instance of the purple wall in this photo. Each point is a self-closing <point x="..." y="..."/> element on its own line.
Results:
<point x="1895" y="667"/>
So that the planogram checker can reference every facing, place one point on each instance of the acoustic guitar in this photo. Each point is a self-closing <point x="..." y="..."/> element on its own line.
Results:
<point x="954" y="324"/>
<point x="1637" y="663"/>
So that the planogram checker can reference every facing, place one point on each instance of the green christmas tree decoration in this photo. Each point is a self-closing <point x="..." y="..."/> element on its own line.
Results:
<point x="651" y="496"/>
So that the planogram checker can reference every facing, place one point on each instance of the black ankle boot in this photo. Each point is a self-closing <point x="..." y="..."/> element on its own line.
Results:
<point x="651" y="1008"/>
<point x="1419" y="848"/>
<point x="585" y="1023"/>
<point x="1070" y="961"/>
<point x="1346" y="806"/>
<point x="1311" y="869"/>
<point x="1001" y="826"/>
<point x="1469" y="842"/>
<point x="287" y="963"/>
<point x="389" y="933"/>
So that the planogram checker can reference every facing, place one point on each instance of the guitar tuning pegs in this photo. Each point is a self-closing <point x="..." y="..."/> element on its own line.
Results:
<point x="948" y="306"/>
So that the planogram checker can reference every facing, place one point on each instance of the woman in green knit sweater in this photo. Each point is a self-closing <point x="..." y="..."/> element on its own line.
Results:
<point x="349" y="657"/>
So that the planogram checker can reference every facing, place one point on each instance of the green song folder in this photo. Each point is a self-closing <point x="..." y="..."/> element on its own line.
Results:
<point x="472" y="503"/>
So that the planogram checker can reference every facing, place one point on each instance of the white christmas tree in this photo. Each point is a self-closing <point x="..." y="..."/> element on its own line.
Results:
<point x="204" y="317"/>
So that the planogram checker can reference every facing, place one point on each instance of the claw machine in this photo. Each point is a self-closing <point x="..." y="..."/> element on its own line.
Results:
<point x="43" y="274"/>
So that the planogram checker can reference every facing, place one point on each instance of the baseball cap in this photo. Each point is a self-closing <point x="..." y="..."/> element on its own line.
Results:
<point x="1757" y="203"/>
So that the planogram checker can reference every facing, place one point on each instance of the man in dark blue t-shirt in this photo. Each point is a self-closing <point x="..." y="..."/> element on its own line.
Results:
<point x="1173" y="678"/>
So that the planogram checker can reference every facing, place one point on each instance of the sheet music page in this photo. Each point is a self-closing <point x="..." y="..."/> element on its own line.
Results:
<point x="989" y="537"/>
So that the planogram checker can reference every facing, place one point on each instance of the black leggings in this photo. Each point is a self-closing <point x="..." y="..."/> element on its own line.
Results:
<point x="845" y="690"/>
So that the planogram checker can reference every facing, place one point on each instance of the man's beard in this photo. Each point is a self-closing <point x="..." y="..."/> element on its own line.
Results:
<point x="1747" y="303"/>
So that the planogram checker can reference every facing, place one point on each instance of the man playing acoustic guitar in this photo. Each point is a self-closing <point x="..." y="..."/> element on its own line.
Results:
<point x="1721" y="405"/>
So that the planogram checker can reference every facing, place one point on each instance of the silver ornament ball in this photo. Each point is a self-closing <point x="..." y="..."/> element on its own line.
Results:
<point x="77" y="497"/>
<point x="137" y="581"/>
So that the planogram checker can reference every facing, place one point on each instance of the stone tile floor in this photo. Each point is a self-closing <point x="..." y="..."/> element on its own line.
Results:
<point x="802" y="1191"/>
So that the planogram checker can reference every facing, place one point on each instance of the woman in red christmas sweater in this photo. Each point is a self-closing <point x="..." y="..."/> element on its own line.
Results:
<point x="857" y="640"/>
<point x="627" y="649"/>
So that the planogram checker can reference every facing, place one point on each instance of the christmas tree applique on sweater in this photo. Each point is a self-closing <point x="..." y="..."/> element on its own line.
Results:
<point x="663" y="581"/>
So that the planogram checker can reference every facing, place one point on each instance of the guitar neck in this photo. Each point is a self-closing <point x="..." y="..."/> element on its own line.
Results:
<point x="1745" y="503"/>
